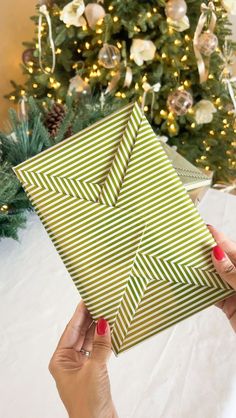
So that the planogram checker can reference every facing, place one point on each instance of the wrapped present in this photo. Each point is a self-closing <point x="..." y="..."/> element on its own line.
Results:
<point x="125" y="227"/>
<point x="195" y="180"/>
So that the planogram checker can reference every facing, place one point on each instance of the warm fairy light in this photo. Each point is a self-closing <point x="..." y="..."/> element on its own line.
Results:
<point x="211" y="76"/>
<point x="49" y="95"/>
<point x="115" y="19"/>
<point x="36" y="45"/>
<point x="208" y="148"/>
<point x="184" y="58"/>
<point x="223" y="133"/>
<point x="119" y="45"/>
<point x="56" y="85"/>
<point x="207" y="168"/>
<point x="110" y="7"/>
<point x="75" y="42"/>
<point x="44" y="104"/>
<point x="193" y="125"/>
<point x="87" y="45"/>
<point x="30" y="70"/>
<point x="149" y="14"/>
<point x="35" y="85"/>
<point x="163" y="113"/>
<point x="67" y="26"/>
<point x="74" y="66"/>
<point x="95" y="66"/>
<point x="48" y="69"/>
<point x="136" y="86"/>
<point x="144" y="78"/>
<point x="171" y="116"/>
<point x="187" y="38"/>
<point x="203" y="157"/>
<point x="172" y="128"/>
<point x="99" y="30"/>
<point x="220" y="107"/>
<point x="191" y="111"/>
<point x="136" y="29"/>
<point x="118" y="94"/>
<point x="123" y="95"/>
<point x="187" y="48"/>
<point x="181" y="88"/>
<point x="22" y="92"/>
<point x="113" y="73"/>
<point x="99" y="41"/>
<point x="163" y="55"/>
<point x="212" y="132"/>
<point x="145" y="108"/>
<point x="30" y="63"/>
<point x="59" y="101"/>
<point x="84" y="28"/>
<point x="176" y="74"/>
<point x="58" y="51"/>
<point x="218" y="101"/>
<point x="99" y="22"/>
<point x="86" y="79"/>
<point x="154" y="9"/>
<point x="177" y="42"/>
<point x="12" y="97"/>
<point x="225" y="121"/>
<point x="170" y="30"/>
<point x="187" y="83"/>
<point x="78" y="50"/>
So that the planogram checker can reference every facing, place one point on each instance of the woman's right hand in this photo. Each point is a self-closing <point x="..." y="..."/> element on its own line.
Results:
<point x="224" y="259"/>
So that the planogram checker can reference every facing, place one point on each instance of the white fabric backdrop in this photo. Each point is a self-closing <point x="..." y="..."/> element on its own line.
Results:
<point x="188" y="371"/>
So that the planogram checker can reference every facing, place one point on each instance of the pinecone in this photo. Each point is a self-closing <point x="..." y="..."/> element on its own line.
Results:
<point x="54" y="118"/>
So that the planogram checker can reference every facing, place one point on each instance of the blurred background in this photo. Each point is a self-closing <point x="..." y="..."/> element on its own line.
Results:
<point x="16" y="27"/>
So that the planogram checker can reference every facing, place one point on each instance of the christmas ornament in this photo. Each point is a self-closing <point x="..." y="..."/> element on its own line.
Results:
<point x="207" y="43"/>
<point x="43" y="12"/>
<point x="204" y="111"/>
<point x="142" y="50"/>
<point x="179" y="25"/>
<point x="4" y="209"/>
<point x="72" y="13"/>
<point x="78" y="85"/>
<point x="228" y="59"/>
<point x="207" y="17"/>
<point x="150" y="89"/>
<point x="179" y="102"/>
<point x="93" y="13"/>
<point x="109" y="56"/>
<point x="28" y="56"/>
<point x="230" y="6"/>
<point x="176" y="9"/>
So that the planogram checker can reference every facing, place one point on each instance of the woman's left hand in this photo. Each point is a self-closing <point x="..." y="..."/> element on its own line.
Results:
<point x="83" y="382"/>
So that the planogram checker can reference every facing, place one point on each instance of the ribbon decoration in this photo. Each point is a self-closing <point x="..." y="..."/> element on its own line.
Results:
<point x="116" y="78"/>
<point x="43" y="12"/>
<point x="22" y="108"/>
<point x="228" y="58"/>
<point x="150" y="89"/>
<point x="203" y="62"/>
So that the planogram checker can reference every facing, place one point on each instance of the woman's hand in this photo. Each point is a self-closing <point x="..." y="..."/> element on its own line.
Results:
<point x="224" y="259"/>
<point x="83" y="382"/>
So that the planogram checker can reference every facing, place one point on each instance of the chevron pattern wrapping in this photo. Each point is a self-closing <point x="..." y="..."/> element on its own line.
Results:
<point x="121" y="220"/>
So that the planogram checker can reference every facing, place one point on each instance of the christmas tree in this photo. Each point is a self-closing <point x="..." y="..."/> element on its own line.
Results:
<point x="172" y="56"/>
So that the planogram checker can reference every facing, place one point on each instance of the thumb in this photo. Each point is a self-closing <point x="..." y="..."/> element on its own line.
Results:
<point x="102" y="342"/>
<point x="224" y="266"/>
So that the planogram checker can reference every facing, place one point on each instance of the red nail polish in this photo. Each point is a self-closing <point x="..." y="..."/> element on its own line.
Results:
<point x="101" y="326"/>
<point x="219" y="254"/>
<point x="209" y="225"/>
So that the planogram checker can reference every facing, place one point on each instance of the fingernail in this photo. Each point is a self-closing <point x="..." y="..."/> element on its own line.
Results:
<point x="209" y="225"/>
<point x="219" y="254"/>
<point x="101" y="326"/>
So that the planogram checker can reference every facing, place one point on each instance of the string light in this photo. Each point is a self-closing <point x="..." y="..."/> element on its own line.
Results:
<point x="212" y="133"/>
<point x="176" y="74"/>
<point x="211" y="76"/>
<point x="99" y="30"/>
<point x="149" y="14"/>
<point x="30" y="70"/>
<point x="184" y="58"/>
<point x="193" y="125"/>
<point x="172" y="128"/>
<point x="58" y="51"/>
<point x="115" y="19"/>
<point x="87" y="45"/>
<point x="154" y="9"/>
<point x="22" y="92"/>
<point x="177" y="42"/>
<point x="136" y="86"/>
<point x="187" y="38"/>
<point x="163" y="55"/>
<point x="171" y="116"/>
<point x="110" y="7"/>
<point x="164" y="113"/>
<point x="12" y="97"/>
<point x="35" y="85"/>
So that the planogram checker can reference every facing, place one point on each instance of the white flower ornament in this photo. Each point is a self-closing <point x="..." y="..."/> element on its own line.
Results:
<point x="204" y="111"/>
<point x="72" y="13"/>
<point x="142" y="50"/>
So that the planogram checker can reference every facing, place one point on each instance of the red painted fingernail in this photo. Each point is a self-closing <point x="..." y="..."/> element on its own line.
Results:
<point x="209" y="225"/>
<point x="219" y="254"/>
<point x="101" y="326"/>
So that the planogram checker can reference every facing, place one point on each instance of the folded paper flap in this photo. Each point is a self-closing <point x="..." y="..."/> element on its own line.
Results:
<point x="154" y="268"/>
<point x="88" y="154"/>
<point x="113" y="183"/>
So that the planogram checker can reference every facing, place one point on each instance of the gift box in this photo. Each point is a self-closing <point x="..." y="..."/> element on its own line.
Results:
<point x="125" y="227"/>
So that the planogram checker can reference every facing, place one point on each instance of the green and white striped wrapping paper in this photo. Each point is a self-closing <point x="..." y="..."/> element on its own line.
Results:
<point x="121" y="220"/>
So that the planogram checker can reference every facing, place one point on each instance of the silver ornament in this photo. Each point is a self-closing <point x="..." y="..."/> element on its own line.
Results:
<point x="176" y="9"/>
<point x="207" y="43"/>
<point x="109" y="56"/>
<point x="179" y="102"/>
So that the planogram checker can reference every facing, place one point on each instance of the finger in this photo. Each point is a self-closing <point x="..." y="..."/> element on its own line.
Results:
<point x="226" y="244"/>
<point x="76" y="329"/>
<point x="224" y="266"/>
<point x="102" y="342"/>
<point x="88" y="340"/>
